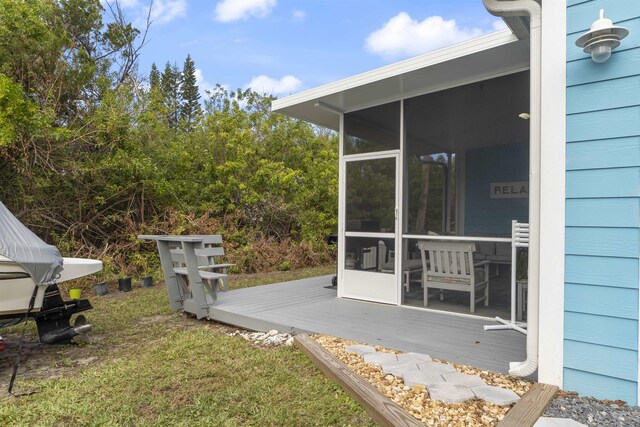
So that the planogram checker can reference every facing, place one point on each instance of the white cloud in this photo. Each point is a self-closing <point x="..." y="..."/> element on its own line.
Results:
<point x="129" y="4"/>
<point x="124" y="4"/>
<point x="270" y="86"/>
<point x="403" y="36"/>
<point x="299" y="15"/>
<point x="164" y="11"/>
<point x="203" y="84"/>
<point x="233" y="10"/>
<point x="499" y="25"/>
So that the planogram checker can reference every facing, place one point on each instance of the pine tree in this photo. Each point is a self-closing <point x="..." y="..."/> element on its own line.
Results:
<point x="154" y="77"/>
<point x="190" y="109"/>
<point x="170" y="89"/>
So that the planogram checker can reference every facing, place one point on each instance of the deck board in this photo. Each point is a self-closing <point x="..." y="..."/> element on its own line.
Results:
<point x="311" y="306"/>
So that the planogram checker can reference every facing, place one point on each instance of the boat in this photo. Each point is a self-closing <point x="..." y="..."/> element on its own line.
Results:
<point x="17" y="287"/>
<point x="30" y="271"/>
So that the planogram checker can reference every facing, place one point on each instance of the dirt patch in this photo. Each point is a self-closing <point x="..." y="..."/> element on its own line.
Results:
<point x="153" y="320"/>
<point x="42" y="361"/>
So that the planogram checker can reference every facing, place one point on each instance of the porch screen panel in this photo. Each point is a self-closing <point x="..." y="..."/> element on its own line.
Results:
<point x="372" y="129"/>
<point x="370" y="210"/>
<point x="371" y="193"/>
<point x="370" y="254"/>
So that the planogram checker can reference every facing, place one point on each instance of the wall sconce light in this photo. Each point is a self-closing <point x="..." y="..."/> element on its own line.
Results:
<point x="601" y="38"/>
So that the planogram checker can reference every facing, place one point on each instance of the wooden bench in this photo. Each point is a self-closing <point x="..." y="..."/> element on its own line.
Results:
<point x="189" y="264"/>
<point x="449" y="265"/>
<point x="207" y="259"/>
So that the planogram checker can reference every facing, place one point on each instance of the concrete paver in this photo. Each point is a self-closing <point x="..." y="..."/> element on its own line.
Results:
<point x="426" y="379"/>
<point x="360" y="349"/>
<point x="436" y="368"/>
<point x="557" y="422"/>
<point x="418" y="357"/>
<point x="463" y="379"/>
<point x="399" y="367"/>
<point x="496" y="395"/>
<point x="450" y="393"/>
<point x="442" y="380"/>
<point x="379" y="357"/>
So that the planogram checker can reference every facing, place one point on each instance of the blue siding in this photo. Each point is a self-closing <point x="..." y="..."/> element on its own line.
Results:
<point x="626" y="367"/>
<point x="505" y="163"/>
<point x="607" y="242"/>
<point x="607" y="182"/>
<point x="602" y="300"/>
<point x="622" y="64"/>
<point x="602" y="271"/>
<point x="603" y="154"/>
<point x="604" y="124"/>
<point x="621" y="212"/>
<point x="580" y="16"/>
<point x="605" y="95"/>
<point x="592" y="384"/>
<point x="602" y="330"/>
<point x="602" y="208"/>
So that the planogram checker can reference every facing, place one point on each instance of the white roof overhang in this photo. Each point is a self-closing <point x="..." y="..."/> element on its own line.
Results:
<point x="485" y="57"/>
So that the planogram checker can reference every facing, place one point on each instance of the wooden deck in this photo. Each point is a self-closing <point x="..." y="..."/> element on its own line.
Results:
<point x="311" y="306"/>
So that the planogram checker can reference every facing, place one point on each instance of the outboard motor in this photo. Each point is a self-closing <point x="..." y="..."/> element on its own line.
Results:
<point x="54" y="319"/>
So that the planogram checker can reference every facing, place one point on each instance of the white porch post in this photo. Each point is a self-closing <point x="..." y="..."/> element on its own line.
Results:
<point x="342" y="243"/>
<point x="552" y="192"/>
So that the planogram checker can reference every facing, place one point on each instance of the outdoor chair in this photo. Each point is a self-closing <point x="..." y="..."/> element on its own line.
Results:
<point x="497" y="253"/>
<point x="410" y="266"/>
<point x="449" y="265"/>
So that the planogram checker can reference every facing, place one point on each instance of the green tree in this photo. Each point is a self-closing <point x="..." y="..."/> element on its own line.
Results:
<point x="170" y="89"/>
<point x="154" y="77"/>
<point x="58" y="62"/>
<point x="88" y="160"/>
<point x="190" y="110"/>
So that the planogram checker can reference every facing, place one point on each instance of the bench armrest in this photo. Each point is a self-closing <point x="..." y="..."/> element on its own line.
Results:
<point x="218" y="266"/>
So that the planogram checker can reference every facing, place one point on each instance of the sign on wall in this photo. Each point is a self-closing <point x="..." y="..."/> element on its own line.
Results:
<point x="510" y="190"/>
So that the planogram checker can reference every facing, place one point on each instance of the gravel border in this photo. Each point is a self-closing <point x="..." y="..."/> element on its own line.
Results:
<point x="593" y="412"/>
<point x="416" y="399"/>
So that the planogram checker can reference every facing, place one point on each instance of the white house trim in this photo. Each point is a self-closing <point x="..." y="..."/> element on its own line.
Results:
<point x="495" y="54"/>
<point x="468" y="47"/>
<point x="552" y="194"/>
<point x="341" y="206"/>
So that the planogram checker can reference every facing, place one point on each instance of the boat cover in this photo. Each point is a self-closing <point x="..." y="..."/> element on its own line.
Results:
<point x="42" y="261"/>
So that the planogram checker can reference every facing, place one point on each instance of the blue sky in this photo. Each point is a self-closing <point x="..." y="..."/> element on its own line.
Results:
<point x="285" y="46"/>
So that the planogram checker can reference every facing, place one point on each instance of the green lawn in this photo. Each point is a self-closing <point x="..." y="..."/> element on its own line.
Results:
<point x="155" y="367"/>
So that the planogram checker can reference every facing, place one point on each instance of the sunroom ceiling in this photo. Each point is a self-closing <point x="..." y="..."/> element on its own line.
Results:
<point x="489" y="56"/>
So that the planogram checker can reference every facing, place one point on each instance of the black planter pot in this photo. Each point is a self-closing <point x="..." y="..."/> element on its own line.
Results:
<point x="100" y="288"/>
<point x="146" y="282"/>
<point x="124" y="284"/>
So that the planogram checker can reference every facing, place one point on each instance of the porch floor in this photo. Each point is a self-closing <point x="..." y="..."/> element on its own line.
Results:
<point x="311" y="305"/>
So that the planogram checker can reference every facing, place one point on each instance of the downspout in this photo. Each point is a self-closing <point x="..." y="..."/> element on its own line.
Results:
<point x="534" y="11"/>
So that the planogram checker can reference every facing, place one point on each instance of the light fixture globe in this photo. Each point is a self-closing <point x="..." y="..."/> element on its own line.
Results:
<point x="601" y="38"/>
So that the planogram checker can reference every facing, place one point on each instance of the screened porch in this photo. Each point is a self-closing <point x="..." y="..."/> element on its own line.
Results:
<point x="444" y="169"/>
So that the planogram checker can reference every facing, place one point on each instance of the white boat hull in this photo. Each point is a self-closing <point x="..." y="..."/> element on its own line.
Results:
<point x="17" y="287"/>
